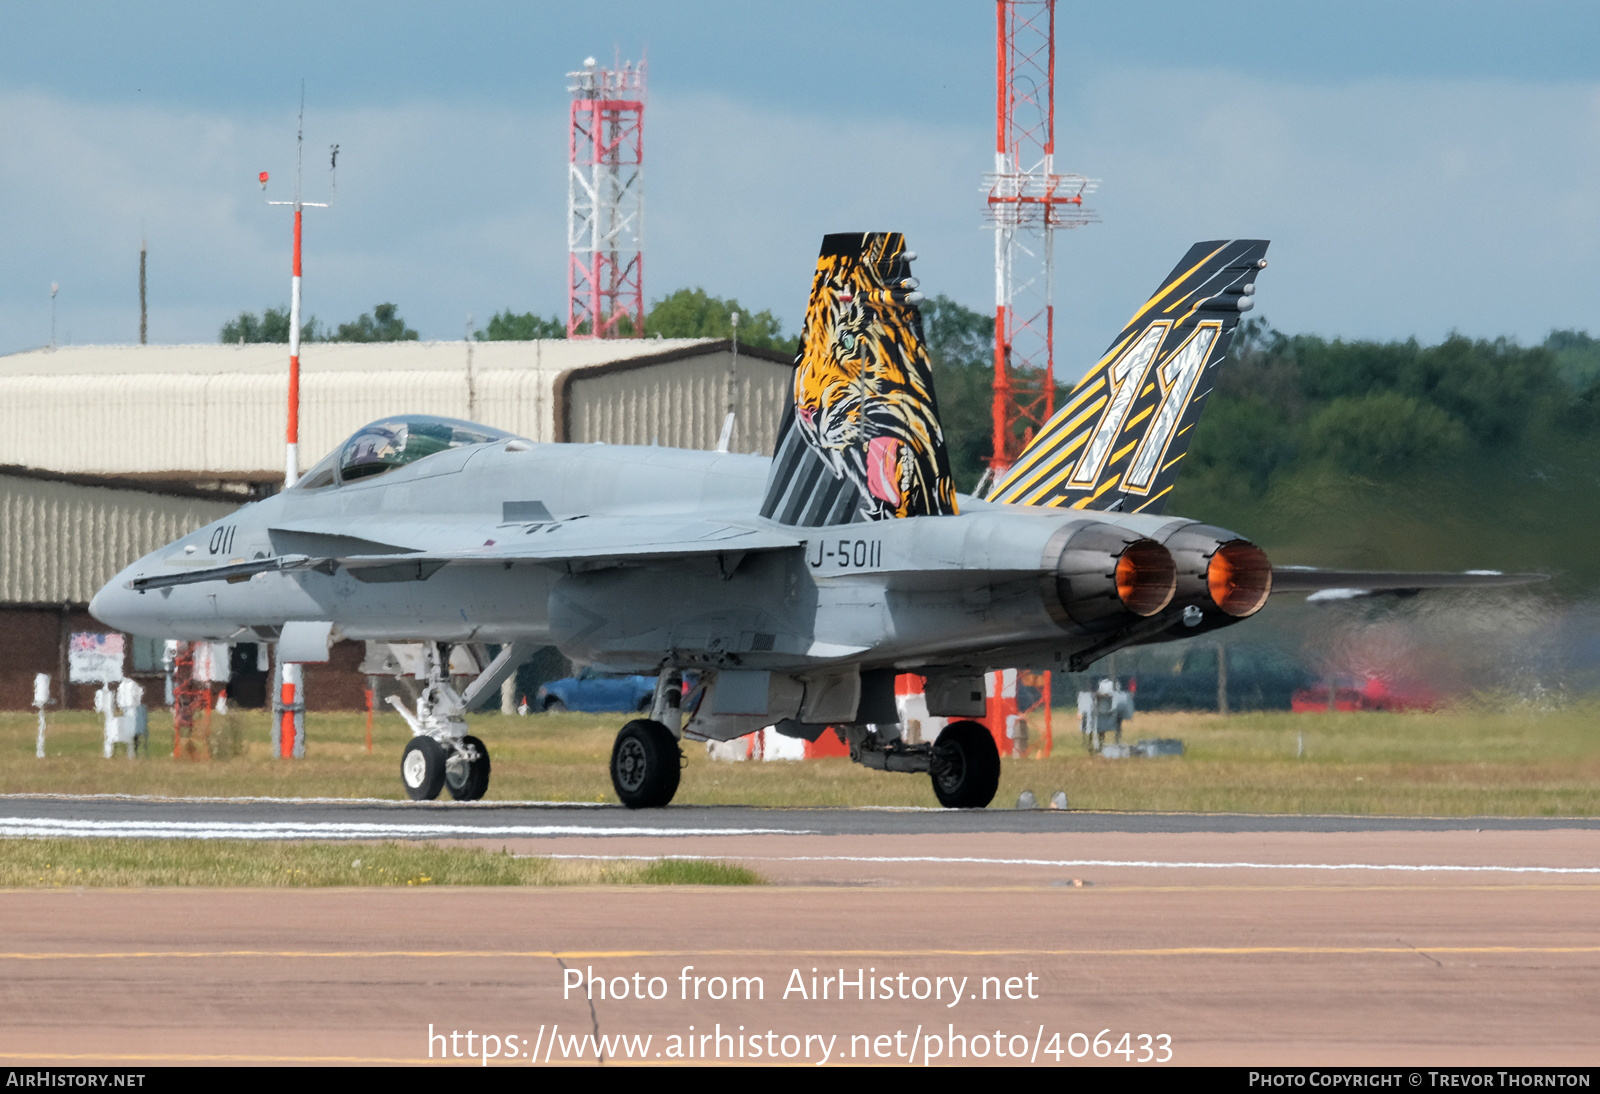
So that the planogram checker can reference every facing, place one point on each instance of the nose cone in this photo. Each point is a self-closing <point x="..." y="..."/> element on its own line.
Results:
<point x="120" y="608"/>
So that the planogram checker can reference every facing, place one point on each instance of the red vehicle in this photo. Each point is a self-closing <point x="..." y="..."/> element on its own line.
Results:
<point x="1364" y="693"/>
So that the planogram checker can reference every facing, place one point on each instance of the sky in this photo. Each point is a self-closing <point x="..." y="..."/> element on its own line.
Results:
<point x="1421" y="167"/>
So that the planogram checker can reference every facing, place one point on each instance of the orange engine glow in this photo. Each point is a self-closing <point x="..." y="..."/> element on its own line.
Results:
<point x="1147" y="578"/>
<point x="1239" y="578"/>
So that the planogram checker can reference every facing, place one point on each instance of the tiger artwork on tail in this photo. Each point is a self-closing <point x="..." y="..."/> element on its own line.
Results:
<point x="863" y="387"/>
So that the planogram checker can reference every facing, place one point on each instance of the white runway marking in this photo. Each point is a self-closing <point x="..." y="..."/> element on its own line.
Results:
<point x="270" y="830"/>
<point x="398" y="803"/>
<point x="1146" y="863"/>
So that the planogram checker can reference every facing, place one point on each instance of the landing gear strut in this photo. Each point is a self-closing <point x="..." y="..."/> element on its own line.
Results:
<point x="441" y="753"/>
<point x="963" y="763"/>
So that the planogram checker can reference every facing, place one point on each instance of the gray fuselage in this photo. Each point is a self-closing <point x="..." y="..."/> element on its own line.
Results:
<point x="552" y="544"/>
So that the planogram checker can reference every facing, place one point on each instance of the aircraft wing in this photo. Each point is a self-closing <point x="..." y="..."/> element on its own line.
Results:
<point x="589" y="541"/>
<point x="1348" y="584"/>
<point x="582" y="543"/>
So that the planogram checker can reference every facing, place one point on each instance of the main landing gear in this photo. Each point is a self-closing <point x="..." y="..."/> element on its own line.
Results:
<point x="441" y="754"/>
<point x="963" y="763"/>
<point x="645" y="764"/>
<point x="646" y="761"/>
<point x="965" y="766"/>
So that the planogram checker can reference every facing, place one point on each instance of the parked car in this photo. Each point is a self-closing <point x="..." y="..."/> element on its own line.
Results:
<point x="596" y="691"/>
<point x="1366" y="693"/>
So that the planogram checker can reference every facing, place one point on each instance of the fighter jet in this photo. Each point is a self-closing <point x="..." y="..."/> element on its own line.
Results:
<point x="786" y="591"/>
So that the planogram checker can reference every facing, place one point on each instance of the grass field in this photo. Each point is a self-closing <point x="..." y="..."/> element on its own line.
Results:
<point x="131" y="863"/>
<point x="1524" y="763"/>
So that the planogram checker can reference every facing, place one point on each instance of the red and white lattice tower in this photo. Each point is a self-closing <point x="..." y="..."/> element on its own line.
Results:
<point x="1028" y="202"/>
<point x="605" y="203"/>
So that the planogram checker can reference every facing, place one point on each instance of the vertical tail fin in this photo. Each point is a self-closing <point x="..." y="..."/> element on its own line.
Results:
<point x="1117" y="442"/>
<point x="861" y="439"/>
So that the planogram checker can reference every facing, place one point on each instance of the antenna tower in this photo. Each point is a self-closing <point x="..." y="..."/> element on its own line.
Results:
<point x="288" y="724"/>
<point x="605" y="202"/>
<point x="1027" y="202"/>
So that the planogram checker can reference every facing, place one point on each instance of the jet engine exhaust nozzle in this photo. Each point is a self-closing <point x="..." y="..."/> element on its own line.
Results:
<point x="1239" y="578"/>
<point x="1147" y="577"/>
<point x="1219" y="570"/>
<point x="1103" y="575"/>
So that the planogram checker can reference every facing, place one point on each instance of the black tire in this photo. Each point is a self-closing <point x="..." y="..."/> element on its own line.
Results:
<point x="554" y="706"/>
<point x="966" y="767"/>
<point x="422" y="768"/>
<point x="469" y="782"/>
<point x="645" y="765"/>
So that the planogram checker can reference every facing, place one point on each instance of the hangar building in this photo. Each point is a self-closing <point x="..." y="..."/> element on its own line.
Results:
<point x="107" y="452"/>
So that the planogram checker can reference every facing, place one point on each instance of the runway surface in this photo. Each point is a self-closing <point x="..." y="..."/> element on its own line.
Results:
<point x="1239" y="940"/>
<point x="303" y="818"/>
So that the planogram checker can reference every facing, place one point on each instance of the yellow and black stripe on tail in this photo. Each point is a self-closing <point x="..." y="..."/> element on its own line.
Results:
<point x="1119" y="439"/>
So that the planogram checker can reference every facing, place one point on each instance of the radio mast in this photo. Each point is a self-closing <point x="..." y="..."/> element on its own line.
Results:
<point x="605" y="203"/>
<point x="1028" y="201"/>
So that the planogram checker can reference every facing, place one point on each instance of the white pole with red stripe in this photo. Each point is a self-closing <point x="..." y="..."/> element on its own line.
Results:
<point x="290" y="733"/>
<point x="291" y="468"/>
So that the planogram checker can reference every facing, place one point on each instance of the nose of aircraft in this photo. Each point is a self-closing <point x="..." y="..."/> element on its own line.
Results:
<point x="119" y="607"/>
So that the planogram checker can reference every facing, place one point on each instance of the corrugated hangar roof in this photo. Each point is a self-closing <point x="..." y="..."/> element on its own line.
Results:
<point x="272" y="358"/>
<point x="217" y="411"/>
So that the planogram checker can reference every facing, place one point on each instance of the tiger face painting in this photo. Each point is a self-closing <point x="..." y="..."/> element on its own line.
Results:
<point x="863" y="388"/>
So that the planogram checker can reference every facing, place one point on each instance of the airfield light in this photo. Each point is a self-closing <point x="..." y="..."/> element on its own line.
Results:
<point x="41" y="699"/>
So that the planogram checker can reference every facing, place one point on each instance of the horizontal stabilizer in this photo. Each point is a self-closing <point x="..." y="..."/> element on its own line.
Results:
<point x="1351" y="583"/>
<point x="1117" y="442"/>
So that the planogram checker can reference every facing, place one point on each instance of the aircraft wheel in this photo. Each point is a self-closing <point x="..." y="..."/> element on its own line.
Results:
<point x="422" y="768"/>
<point x="966" y="771"/>
<point x="467" y="782"/>
<point x="645" y="765"/>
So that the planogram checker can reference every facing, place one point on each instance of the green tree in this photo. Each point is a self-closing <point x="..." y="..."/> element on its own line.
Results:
<point x="1384" y="433"/>
<point x="271" y="326"/>
<point x="1576" y="357"/>
<point x="690" y="313"/>
<point x="960" y="345"/>
<point x="507" y="326"/>
<point x="1468" y="453"/>
<point x="382" y="324"/>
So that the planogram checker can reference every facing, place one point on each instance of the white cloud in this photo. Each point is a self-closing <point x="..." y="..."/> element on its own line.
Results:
<point x="1395" y="207"/>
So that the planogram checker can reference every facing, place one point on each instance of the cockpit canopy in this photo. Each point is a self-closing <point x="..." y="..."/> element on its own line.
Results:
<point x="384" y="445"/>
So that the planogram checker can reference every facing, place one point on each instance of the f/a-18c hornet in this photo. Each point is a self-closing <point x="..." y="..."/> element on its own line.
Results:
<point x="783" y="591"/>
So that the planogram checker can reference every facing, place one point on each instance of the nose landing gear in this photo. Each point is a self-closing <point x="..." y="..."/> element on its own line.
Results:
<point x="466" y="773"/>
<point x="441" y="754"/>
<point x="422" y="768"/>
